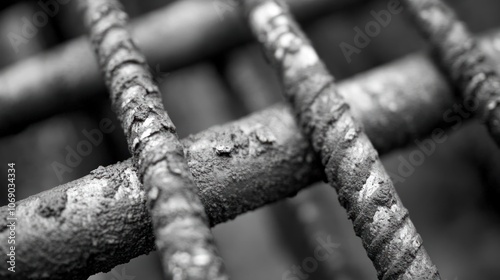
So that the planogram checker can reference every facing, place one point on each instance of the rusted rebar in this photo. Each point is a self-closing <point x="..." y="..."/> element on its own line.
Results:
<point x="180" y="224"/>
<point x="459" y="54"/>
<point x="350" y="162"/>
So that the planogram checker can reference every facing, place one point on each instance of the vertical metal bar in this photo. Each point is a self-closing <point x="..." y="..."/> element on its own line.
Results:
<point x="180" y="224"/>
<point x="466" y="64"/>
<point x="350" y="161"/>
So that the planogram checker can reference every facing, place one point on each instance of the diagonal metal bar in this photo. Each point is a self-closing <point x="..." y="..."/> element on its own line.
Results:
<point x="350" y="162"/>
<point x="180" y="224"/>
<point x="63" y="77"/>
<point x="465" y="63"/>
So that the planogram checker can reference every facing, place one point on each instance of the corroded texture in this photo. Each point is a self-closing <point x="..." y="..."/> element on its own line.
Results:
<point x="461" y="57"/>
<point x="350" y="161"/>
<point x="29" y="93"/>
<point x="105" y="220"/>
<point x="104" y="215"/>
<point x="276" y="172"/>
<point x="182" y="235"/>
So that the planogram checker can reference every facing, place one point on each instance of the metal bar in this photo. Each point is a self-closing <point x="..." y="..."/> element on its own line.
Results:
<point x="465" y="63"/>
<point x="180" y="224"/>
<point x="350" y="162"/>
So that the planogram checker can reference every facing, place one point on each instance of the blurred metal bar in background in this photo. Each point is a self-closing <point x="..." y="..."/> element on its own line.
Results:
<point x="58" y="79"/>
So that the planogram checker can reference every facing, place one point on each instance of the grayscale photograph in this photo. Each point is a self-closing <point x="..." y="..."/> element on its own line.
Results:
<point x="250" y="139"/>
